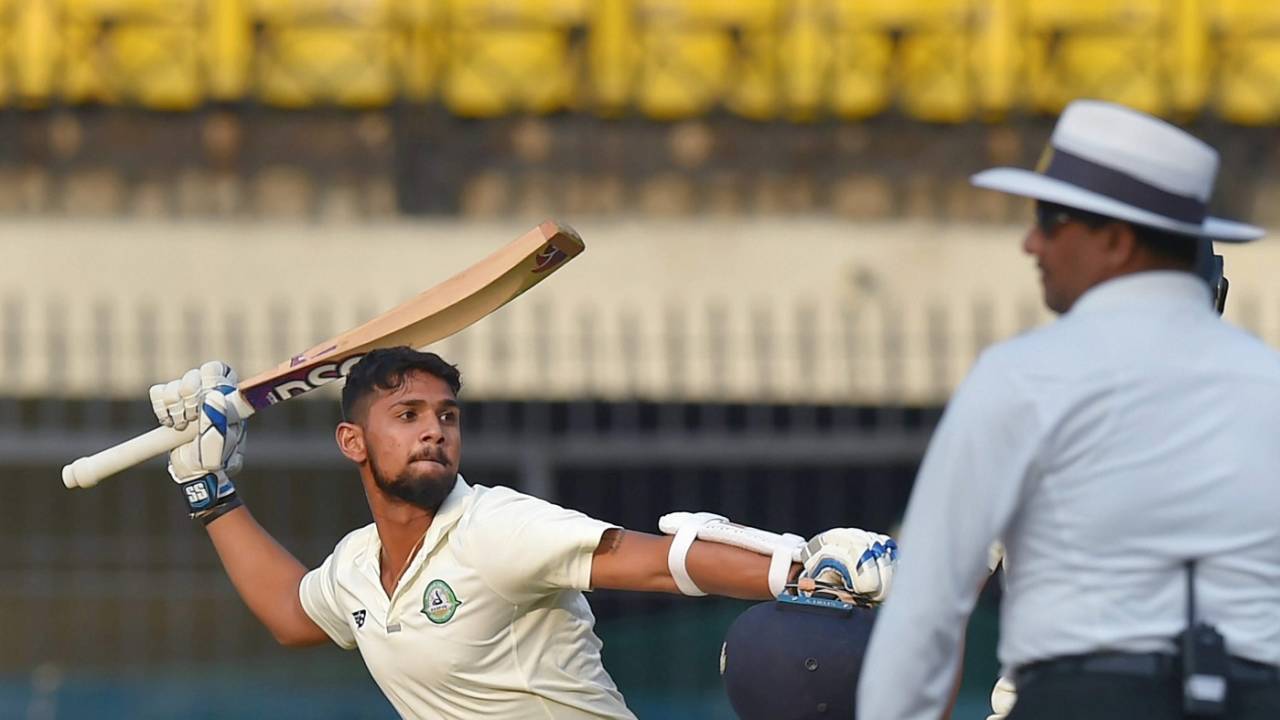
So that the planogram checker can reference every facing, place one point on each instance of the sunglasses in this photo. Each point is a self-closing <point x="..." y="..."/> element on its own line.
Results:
<point x="1050" y="217"/>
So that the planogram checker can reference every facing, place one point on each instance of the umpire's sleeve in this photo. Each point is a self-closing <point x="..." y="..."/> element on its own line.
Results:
<point x="967" y="490"/>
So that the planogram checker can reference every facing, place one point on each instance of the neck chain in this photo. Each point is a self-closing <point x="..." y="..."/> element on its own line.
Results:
<point x="412" y="552"/>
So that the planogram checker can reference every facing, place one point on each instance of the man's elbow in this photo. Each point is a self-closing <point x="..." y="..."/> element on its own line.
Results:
<point x="290" y="641"/>
<point x="294" y="637"/>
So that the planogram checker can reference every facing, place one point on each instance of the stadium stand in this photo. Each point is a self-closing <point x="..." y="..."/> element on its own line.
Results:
<point x="143" y="52"/>
<point x="344" y="53"/>
<point x="1246" y="51"/>
<point x="945" y="61"/>
<point x="504" y="56"/>
<point x="1098" y="48"/>
<point x="682" y="62"/>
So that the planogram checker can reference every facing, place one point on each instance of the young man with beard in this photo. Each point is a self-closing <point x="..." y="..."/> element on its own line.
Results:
<point x="465" y="601"/>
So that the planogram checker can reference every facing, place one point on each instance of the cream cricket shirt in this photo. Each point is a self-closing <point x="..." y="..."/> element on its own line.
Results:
<point x="489" y="620"/>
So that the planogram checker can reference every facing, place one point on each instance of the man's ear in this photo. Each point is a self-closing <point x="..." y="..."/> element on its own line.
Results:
<point x="1121" y="244"/>
<point x="350" y="437"/>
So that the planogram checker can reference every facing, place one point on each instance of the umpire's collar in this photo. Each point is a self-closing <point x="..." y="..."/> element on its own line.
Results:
<point x="1158" y="288"/>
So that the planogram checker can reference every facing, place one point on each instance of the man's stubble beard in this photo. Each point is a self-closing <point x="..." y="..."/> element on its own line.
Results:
<point x="423" y="492"/>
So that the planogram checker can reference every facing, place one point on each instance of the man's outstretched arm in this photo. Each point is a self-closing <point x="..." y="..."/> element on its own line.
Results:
<point x="629" y="560"/>
<point x="845" y="561"/>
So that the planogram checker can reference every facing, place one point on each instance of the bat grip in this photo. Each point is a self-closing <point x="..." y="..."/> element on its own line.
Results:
<point x="88" y="471"/>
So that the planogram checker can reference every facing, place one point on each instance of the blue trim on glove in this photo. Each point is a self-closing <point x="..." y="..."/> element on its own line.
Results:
<point x="216" y="417"/>
<point x="877" y="551"/>
<point x="828" y="563"/>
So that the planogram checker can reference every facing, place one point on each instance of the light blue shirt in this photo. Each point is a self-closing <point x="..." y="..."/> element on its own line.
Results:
<point x="1136" y="432"/>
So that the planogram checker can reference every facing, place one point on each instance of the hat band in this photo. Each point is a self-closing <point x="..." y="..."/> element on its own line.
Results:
<point x="1120" y="186"/>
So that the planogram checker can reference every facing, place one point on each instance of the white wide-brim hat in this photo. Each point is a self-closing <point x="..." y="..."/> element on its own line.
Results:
<point x="1114" y="161"/>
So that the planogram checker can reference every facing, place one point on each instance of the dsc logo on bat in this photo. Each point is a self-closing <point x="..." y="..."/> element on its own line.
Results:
<point x="314" y="378"/>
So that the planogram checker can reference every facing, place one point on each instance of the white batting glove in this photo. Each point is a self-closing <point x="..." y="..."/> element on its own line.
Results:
<point x="1003" y="697"/>
<point x="850" y="564"/>
<point x="203" y="467"/>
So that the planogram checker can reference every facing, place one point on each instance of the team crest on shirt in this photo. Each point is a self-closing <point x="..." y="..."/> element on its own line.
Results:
<point x="439" y="602"/>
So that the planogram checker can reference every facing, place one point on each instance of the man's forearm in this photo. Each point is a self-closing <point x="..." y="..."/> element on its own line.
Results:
<point x="628" y="560"/>
<point x="730" y="571"/>
<point x="265" y="575"/>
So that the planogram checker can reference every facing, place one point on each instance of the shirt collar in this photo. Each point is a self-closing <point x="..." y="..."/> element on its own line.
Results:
<point x="1155" y="287"/>
<point x="450" y="512"/>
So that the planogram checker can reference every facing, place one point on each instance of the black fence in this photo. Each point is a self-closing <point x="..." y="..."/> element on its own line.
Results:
<point x="116" y="577"/>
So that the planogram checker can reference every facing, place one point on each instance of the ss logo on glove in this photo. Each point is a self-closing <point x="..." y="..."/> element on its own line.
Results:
<point x="198" y="494"/>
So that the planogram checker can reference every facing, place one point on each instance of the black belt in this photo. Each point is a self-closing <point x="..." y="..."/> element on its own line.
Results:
<point x="1140" y="665"/>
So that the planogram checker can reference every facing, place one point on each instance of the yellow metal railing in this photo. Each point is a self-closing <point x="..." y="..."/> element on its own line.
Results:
<point x="799" y="60"/>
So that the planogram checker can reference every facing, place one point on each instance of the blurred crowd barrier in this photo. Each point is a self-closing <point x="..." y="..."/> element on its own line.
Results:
<point x="753" y="309"/>
<point x="116" y="606"/>
<point x="935" y="60"/>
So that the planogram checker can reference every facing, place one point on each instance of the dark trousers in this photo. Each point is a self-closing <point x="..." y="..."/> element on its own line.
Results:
<point x="1082" y="695"/>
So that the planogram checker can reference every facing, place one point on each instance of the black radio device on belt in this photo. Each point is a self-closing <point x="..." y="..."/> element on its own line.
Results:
<point x="1204" y="662"/>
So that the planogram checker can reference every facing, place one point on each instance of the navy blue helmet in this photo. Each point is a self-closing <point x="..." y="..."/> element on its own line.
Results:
<point x="795" y="658"/>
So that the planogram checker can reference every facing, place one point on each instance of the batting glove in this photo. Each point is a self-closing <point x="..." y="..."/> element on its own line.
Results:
<point x="849" y="564"/>
<point x="204" y="466"/>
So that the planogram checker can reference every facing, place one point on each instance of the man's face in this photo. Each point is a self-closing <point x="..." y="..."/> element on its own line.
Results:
<point x="413" y="437"/>
<point x="1070" y="255"/>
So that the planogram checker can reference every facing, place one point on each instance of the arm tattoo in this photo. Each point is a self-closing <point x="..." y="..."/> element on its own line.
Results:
<point x="610" y="541"/>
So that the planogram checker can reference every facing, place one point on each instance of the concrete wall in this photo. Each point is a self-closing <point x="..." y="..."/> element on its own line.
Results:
<point x="777" y="309"/>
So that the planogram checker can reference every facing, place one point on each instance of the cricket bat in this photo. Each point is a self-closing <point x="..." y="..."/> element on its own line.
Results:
<point x="431" y="316"/>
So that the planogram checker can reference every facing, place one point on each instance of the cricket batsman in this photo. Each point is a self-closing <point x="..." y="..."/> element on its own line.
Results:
<point x="467" y="601"/>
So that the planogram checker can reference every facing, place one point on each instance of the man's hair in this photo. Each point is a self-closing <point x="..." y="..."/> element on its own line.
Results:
<point x="1172" y="247"/>
<point x="386" y="369"/>
<point x="1179" y="249"/>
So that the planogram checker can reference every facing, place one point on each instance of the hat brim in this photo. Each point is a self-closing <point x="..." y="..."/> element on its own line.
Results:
<point x="1026" y="183"/>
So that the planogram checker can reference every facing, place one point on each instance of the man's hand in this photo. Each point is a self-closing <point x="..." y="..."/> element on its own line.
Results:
<point x="1003" y="697"/>
<point x="849" y="564"/>
<point x="203" y="467"/>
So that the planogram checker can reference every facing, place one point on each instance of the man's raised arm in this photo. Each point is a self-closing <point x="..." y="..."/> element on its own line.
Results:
<point x="266" y="576"/>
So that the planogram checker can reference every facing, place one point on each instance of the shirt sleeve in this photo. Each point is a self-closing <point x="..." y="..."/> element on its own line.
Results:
<point x="526" y="548"/>
<point x="968" y="488"/>
<point x="318" y="594"/>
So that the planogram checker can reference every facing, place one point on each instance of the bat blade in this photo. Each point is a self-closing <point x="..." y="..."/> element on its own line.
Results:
<point x="429" y="317"/>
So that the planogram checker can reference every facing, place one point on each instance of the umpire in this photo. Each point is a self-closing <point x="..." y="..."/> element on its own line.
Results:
<point x="1125" y="455"/>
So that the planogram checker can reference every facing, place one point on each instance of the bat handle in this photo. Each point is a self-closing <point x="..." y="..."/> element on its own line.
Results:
<point x="89" y="471"/>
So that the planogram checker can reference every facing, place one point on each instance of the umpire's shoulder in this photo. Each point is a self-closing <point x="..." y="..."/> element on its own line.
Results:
<point x="1015" y="356"/>
<point x="1240" y="351"/>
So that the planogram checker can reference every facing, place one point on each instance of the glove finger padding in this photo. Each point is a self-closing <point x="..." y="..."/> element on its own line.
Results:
<point x="218" y="445"/>
<point x="217" y="375"/>
<point x="160" y="405"/>
<point x="849" y="564"/>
